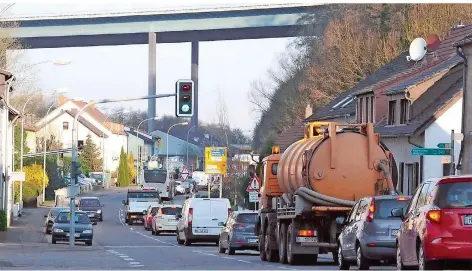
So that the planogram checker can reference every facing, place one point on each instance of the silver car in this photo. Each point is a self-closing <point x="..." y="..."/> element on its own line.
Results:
<point x="370" y="232"/>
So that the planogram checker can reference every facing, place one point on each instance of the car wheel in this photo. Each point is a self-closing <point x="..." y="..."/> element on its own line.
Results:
<point x="157" y="232"/>
<point x="423" y="263"/>
<point x="221" y="249"/>
<point x="88" y="243"/>
<point x="400" y="265"/>
<point x="130" y="222"/>
<point x="283" y="244"/>
<point x="262" y="254"/>
<point x="362" y="262"/>
<point x="342" y="263"/>
<point x="180" y="242"/>
<point x="231" y="251"/>
<point x="186" y="241"/>
<point x="101" y="218"/>
<point x="53" y="240"/>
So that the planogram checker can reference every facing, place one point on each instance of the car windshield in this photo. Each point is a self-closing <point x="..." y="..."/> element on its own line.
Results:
<point x="171" y="210"/>
<point x="454" y="195"/>
<point x="247" y="218"/>
<point x="96" y="176"/>
<point x="55" y="211"/>
<point x="80" y="218"/>
<point x="155" y="176"/>
<point x="89" y="203"/>
<point x="143" y="195"/>
<point x="384" y="207"/>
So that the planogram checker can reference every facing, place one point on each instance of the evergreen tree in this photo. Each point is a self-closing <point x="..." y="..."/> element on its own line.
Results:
<point x="90" y="157"/>
<point x="123" y="170"/>
<point x="132" y="168"/>
<point x="18" y="144"/>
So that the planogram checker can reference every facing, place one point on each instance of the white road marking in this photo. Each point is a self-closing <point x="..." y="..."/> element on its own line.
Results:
<point x="135" y="246"/>
<point x="129" y="259"/>
<point x="131" y="229"/>
<point x="137" y="265"/>
<point x="155" y="239"/>
<point x="134" y="263"/>
<point x="123" y="256"/>
<point x="119" y="217"/>
<point x="243" y="261"/>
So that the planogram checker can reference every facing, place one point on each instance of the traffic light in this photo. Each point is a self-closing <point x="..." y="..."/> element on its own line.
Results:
<point x="75" y="170"/>
<point x="184" y="100"/>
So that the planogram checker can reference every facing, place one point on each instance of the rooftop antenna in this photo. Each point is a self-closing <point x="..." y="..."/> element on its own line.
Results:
<point x="432" y="43"/>
<point x="418" y="49"/>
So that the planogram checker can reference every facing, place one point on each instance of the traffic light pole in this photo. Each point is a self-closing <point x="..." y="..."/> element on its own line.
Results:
<point x="75" y="166"/>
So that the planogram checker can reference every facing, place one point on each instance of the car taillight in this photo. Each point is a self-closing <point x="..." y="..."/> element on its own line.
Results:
<point x="370" y="214"/>
<point x="402" y="198"/>
<point x="229" y="211"/>
<point x="190" y="216"/>
<point x="434" y="215"/>
<point x="307" y="233"/>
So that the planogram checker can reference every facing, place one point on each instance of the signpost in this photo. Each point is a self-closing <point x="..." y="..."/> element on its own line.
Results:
<point x="253" y="196"/>
<point x="430" y="151"/>
<point x="253" y="189"/>
<point x="215" y="163"/>
<point x="184" y="174"/>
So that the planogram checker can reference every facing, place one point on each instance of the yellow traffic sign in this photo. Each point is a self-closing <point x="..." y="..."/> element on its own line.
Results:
<point x="215" y="160"/>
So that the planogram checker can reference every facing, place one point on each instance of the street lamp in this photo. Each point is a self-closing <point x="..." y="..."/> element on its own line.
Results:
<point x="188" y="133"/>
<point x="103" y="154"/>
<point x="167" y="143"/>
<point x="138" y="160"/>
<point x="61" y="91"/>
<point x="74" y="152"/>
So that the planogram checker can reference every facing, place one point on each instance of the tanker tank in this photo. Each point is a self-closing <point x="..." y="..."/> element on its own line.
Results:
<point x="331" y="166"/>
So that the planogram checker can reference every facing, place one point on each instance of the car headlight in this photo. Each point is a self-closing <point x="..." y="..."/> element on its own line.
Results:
<point x="58" y="230"/>
<point x="87" y="231"/>
<point x="99" y="211"/>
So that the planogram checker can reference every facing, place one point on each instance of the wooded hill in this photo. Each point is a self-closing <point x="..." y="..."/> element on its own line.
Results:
<point x="357" y="40"/>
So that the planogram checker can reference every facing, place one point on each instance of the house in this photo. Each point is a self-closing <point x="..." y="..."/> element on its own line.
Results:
<point x="30" y="137"/>
<point x="8" y="117"/>
<point x="141" y="143"/>
<point x="106" y="135"/>
<point x="178" y="150"/>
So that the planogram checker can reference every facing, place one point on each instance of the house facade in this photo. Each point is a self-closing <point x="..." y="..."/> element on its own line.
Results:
<point x="141" y="144"/>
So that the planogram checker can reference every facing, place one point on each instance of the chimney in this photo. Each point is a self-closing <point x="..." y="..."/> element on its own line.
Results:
<point x="61" y="100"/>
<point x="308" y="111"/>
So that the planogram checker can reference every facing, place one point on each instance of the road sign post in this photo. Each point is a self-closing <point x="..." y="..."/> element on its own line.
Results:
<point x="452" y="167"/>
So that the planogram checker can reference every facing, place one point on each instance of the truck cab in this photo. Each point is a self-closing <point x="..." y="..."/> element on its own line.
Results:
<point x="138" y="200"/>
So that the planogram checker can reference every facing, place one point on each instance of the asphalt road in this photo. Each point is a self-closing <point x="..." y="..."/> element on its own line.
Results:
<point x="119" y="246"/>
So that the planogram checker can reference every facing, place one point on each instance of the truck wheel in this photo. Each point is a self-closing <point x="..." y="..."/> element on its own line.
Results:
<point x="292" y="259"/>
<point x="130" y="221"/>
<point x="283" y="244"/>
<point x="261" y="246"/>
<point x="271" y="254"/>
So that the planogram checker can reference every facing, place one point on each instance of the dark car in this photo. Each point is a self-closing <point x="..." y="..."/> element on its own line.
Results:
<point x="92" y="206"/>
<point x="370" y="232"/>
<point x="239" y="233"/>
<point x="437" y="225"/>
<point x="50" y="217"/>
<point x="83" y="228"/>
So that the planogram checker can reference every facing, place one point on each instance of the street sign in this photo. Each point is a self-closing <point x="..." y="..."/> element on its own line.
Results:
<point x="444" y="145"/>
<point x="254" y="185"/>
<point x="184" y="173"/>
<point x="430" y="151"/>
<point x="215" y="160"/>
<point x="17" y="176"/>
<point x="253" y="196"/>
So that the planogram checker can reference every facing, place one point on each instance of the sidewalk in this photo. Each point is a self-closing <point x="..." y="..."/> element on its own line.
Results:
<point x="26" y="229"/>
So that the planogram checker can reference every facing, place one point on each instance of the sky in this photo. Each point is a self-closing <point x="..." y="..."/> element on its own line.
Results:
<point x="102" y="72"/>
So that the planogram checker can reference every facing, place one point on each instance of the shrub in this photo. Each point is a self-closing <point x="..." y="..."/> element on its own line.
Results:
<point x="3" y="220"/>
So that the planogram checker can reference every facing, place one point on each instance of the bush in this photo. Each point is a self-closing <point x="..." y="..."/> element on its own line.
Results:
<point x="3" y="221"/>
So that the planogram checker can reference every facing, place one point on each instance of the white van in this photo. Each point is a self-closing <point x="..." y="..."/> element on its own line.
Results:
<point x="202" y="220"/>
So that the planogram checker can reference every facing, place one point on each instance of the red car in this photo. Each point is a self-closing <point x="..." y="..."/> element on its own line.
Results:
<point x="150" y="213"/>
<point x="437" y="224"/>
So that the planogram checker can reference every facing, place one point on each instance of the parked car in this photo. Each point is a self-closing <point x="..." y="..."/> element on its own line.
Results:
<point x="97" y="177"/>
<point x="437" y="224"/>
<point x="83" y="228"/>
<point x="149" y="215"/>
<point x="202" y="219"/>
<point x="50" y="217"/>
<point x="166" y="219"/>
<point x="370" y="232"/>
<point x="91" y="206"/>
<point x="239" y="233"/>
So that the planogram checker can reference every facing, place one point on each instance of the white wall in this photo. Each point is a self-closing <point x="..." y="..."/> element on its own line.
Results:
<point x="440" y="132"/>
<point x="30" y="140"/>
<point x="113" y="150"/>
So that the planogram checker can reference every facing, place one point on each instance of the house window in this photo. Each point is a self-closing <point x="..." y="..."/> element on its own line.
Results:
<point x="447" y="169"/>
<point x="371" y="114"/>
<point x="65" y="125"/>
<point x="404" y="106"/>
<point x="360" y="109"/>
<point x="392" y="112"/>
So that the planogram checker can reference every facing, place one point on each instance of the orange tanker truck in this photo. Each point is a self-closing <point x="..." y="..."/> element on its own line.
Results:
<point x="316" y="180"/>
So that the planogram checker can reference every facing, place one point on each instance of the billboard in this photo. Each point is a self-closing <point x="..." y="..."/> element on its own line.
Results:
<point x="215" y="160"/>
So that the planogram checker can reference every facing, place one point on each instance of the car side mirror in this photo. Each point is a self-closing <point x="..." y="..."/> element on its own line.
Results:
<point x="46" y="216"/>
<point x="224" y="224"/>
<point x="397" y="212"/>
<point x="179" y="216"/>
<point x="94" y="223"/>
<point x="340" y="220"/>
<point x="144" y="212"/>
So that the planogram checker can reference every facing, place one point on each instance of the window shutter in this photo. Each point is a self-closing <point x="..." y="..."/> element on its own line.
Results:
<point x="402" y="177"/>
<point x="416" y="168"/>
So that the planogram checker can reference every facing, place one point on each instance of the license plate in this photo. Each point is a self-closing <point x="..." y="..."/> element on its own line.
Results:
<point x="253" y="240"/>
<point x="394" y="232"/>
<point x="468" y="220"/>
<point x="307" y="239"/>
<point x="201" y="230"/>
<point x="76" y="235"/>
<point x="90" y="215"/>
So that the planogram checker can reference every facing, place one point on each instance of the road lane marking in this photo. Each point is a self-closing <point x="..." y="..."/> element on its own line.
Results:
<point x="134" y="263"/>
<point x="123" y="256"/>
<point x="243" y="261"/>
<point x="137" y="265"/>
<point x="131" y="229"/>
<point x="129" y="259"/>
<point x="135" y="246"/>
<point x="149" y="237"/>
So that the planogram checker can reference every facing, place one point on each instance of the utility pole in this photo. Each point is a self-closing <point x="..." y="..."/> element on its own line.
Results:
<point x="452" y="168"/>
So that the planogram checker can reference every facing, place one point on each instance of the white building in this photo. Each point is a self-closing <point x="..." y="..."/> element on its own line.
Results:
<point x="109" y="136"/>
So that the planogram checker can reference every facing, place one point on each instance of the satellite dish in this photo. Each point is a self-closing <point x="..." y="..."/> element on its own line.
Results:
<point x="433" y="42"/>
<point x="417" y="49"/>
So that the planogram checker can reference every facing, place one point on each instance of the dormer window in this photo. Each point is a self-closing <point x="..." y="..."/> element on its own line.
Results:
<point x="404" y="111"/>
<point x="392" y="112"/>
<point x="365" y="109"/>
<point x="398" y="110"/>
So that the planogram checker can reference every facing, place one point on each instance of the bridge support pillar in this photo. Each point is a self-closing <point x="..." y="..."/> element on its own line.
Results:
<point x="194" y="77"/>
<point x="152" y="81"/>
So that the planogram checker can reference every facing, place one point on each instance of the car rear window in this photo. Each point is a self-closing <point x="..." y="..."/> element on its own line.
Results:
<point x="171" y="210"/>
<point x="454" y="195"/>
<point x="384" y="207"/>
<point x="89" y="203"/>
<point x="247" y="218"/>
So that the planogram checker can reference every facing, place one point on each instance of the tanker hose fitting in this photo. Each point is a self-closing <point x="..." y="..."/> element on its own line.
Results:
<point x="325" y="198"/>
<point x="388" y="174"/>
<point x="314" y="200"/>
<point x="286" y="199"/>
